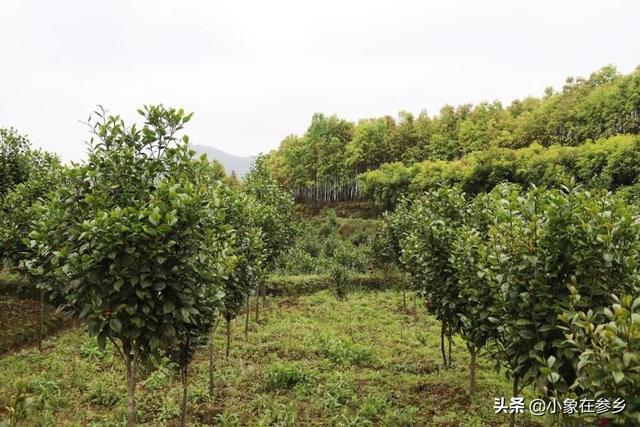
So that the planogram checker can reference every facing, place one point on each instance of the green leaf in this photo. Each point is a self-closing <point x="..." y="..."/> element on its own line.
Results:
<point x="169" y="330"/>
<point x="102" y="340"/>
<point x="154" y="218"/>
<point x="168" y="307"/>
<point x="618" y="376"/>
<point x="115" y="325"/>
<point x="551" y="360"/>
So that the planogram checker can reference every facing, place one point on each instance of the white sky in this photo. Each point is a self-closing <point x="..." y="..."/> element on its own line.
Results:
<point x="254" y="72"/>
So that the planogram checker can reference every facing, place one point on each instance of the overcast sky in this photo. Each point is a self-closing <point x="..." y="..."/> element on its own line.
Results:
<point x="254" y="72"/>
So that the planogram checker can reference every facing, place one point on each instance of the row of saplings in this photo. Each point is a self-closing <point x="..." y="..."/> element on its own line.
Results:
<point x="544" y="281"/>
<point x="146" y="246"/>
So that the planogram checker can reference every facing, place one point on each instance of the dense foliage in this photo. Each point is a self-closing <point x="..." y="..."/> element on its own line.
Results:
<point x="604" y="344"/>
<point x="274" y="209"/>
<point x="325" y="241"/>
<point x="610" y="163"/>
<point x="26" y="175"/>
<point x="504" y="269"/>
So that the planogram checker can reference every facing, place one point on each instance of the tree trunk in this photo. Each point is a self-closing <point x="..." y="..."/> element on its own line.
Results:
<point x="212" y="360"/>
<point x="415" y="306"/>
<point x="512" y="417"/>
<point x="183" y="378"/>
<point x="264" y="295"/>
<point x="444" y="354"/>
<point x="131" y="361"/>
<point x="473" y="353"/>
<point x="40" y="320"/>
<point x="246" y="320"/>
<point x="211" y="365"/>
<point x="404" y="299"/>
<point x="228" y="338"/>
<point x="449" y="340"/>
<point x="257" y="302"/>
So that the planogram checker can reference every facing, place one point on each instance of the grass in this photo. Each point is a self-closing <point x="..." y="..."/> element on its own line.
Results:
<point x="313" y="360"/>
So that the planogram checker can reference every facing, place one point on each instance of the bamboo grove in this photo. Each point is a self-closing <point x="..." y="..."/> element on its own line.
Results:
<point x="142" y="242"/>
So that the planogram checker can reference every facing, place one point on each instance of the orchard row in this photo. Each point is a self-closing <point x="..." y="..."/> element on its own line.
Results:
<point x="544" y="281"/>
<point x="142" y="242"/>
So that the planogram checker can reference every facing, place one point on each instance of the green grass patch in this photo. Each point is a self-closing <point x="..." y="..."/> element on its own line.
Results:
<point x="313" y="360"/>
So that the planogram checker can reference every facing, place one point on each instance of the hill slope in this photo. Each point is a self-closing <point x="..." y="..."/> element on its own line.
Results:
<point x="241" y="165"/>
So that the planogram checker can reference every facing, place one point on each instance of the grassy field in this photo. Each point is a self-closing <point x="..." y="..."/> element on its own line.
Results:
<point x="313" y="360"/>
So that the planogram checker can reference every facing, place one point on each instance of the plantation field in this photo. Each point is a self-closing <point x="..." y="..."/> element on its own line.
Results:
<point x="312" y="360"/>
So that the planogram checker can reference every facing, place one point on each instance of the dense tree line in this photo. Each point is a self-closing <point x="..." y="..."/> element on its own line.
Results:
<point x="26" y="174"/>
<point x="611" y="163"/>
<point x="334" y="150"/>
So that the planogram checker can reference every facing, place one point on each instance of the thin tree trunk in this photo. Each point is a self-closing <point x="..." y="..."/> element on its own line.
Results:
<point x="404" y="299"/>
<point x="257" y="302"/>
<point x="246" y="320"/>
<point x="211" y="365"/>
<point x="512" y="417"/>
<point x="415" y="306"/>
<point x="40" y="320"/>
<point x="228" y="338"/>
<point x="183" y="378"/>
<point x="444" y="354"/>
<point x="449" y="340"/>
<point x="473" y="353"/>
<point x="131" y="360"/>
<point x="264" y="295"/>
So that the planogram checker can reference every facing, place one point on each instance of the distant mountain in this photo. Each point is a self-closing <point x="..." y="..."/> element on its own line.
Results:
<point x="241" y="165"/>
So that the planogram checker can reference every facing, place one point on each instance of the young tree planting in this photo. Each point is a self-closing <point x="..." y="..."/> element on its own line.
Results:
<point x="435" y="218"/>
<point x="133" y="239"/>
<point x="273" y="214"/>
<point x="18" y="208"/>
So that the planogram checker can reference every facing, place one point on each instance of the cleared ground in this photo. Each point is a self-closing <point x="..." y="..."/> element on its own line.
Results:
<point x="313" y="360"/>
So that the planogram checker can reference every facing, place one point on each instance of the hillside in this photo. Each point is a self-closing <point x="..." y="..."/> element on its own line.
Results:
<point x="241" y="165"/>
<point x="326" y="159"/>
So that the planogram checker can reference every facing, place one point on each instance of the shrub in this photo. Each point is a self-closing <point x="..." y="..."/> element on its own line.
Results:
<point x="339" y="276"/>
<point x="345" y="352"/>
<point x="284" y="376"/>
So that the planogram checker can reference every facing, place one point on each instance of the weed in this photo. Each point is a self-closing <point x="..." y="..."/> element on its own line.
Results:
<point x="345" y="352"/>
<point x="284" y="376"/>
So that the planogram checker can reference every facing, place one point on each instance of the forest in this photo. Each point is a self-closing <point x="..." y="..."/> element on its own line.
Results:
<point x="543" y="141"/>
<point x="476" y="267"/>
